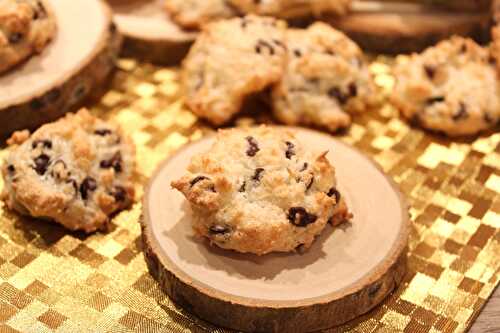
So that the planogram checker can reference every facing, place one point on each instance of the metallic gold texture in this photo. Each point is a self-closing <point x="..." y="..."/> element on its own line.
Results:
<point x="55" y="281"/>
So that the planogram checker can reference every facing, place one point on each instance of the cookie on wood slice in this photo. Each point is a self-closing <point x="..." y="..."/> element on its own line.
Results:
<point x="194" y="14"/>
<point x="387" y="27"/>
<point x="452" y="87"/>
<point x="347" y="270"/>
<point x="76" y="171"/>
<point x="326" y="79"/>
<point x="73" y="66"/>
<point x="26" y="27"/>
<point x="230" y="61"/>
<point x="150" y="33"/>
<point x="258" y="190"/>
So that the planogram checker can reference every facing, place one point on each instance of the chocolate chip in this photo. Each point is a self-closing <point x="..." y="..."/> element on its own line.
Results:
<point x="114" y="162"/>
<point x="198" y="179"/>
<point x="41" y="164"/>
<point x="430" y="71"/>
<point x="299" y="217"/>
<point x="243" y="187"/>
<point x="334" y="193"/>
<point x="461" y="113"/>
<point x="103" y="132"/>
<point x="279" y="43"/>
<point x="112" y="27"/>
<point x="40" y="11"/>
<point x="258" y="174"/>
<point x="15" y="38"/>
<point x="261" y="45"/>
<point x="254" y="146"/>
<point x="304" y="167"/>
<point x="88" y="185"/>
<point x="219" y="230"/>
<point x="353" y="89"/>
<point x="119" y="194"/>
<point x="488" y="118"/>
<point x="290" y="150"/>
<point x="435" y="99"/>
<point x="297" y="53"/>
<point x="11" y="169"/>
<point x="338" y="95"/>
<point x="45" y="143"/>
<point x="492" y="60"/>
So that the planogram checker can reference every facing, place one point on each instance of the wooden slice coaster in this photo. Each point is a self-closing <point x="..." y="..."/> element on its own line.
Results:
<point x="393" y="28"/>
<point x="348" y="270"/>
<point x="72" y="66"/>
<point x="150" y="34"/>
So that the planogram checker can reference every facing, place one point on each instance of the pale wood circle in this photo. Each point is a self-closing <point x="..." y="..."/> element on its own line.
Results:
<point x="73" y="65"/>
<point x="348" y="270"/>
<point x="150" y="33"/>
<point x="402" y="28"/>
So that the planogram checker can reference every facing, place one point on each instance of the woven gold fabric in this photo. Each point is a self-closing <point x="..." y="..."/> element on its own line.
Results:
<point x="52" y="280"/>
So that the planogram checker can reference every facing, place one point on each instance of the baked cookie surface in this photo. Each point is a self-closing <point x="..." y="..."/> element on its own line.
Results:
<point x="76" y="171"/>
<point x="257" y="190"/>
<point x="26" y="27"/>
<point x="325" y="79"/>
<point x="451" y="88"/>
<point x="193" y="14"/>
<point x="292" y="8"/>
<point x="231" y="60"/>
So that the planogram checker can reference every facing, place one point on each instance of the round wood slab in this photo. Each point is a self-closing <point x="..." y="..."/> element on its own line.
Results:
<point x="149" y="32"/>
<point x="395" y="28"/>
<point x="74" y="64"/>
<point x="347" y="271"/>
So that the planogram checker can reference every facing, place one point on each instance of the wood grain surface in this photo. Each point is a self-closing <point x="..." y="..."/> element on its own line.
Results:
<point x="489" y="319"/>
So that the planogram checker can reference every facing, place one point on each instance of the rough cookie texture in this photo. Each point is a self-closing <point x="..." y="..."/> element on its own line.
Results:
<point x="258" y="190"/>
<point x="26" y="27"/>
<point x="76" y="171"/>
<point x="325" y="76"/>
<point x="231" y="60"/>
<point x="451" y="88"/>
<point x="292" y="8"/>
<point x="193" y="14"/>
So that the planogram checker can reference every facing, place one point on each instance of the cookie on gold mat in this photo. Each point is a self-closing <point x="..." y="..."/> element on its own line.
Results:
<point x="258" y="190"/>
<point x="451" y="88"/>
<point x="76" y="171"/>
<point x="326" y="76"/>
<point x="26" y="27"/>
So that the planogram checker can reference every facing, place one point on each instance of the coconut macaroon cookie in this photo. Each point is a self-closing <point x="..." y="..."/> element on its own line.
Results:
<point x="196" y="13"/>
<point x="230" y="60"/>
<point x="292" y="8"/>
<point x="76" y="171"/>
<point x="451" y="88"/>
<point x="326" y="79"/>
<point x="257" y="190"/>
<point x="26" y="27"/>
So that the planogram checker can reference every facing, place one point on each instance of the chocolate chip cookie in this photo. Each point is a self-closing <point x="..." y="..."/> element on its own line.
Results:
<point x="231" y="60"/>
<point x="258" y="190"/>
<point x="26" y="27"/>
<point x="326" y="78"/>
<point x="292" y="8"/>
<point x="193" y="14"/>
<point x="451" y="88"/>
<point x="76" y="171"/>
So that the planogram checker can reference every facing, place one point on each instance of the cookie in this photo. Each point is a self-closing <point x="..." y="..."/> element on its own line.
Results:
<point x="193" y="14"/>
<point x="231" y="60"/>
<point x="292" y="8"/>
<point x="326" y="79"/>
<point x="26" y="27"/>
<point x="258" y="190"/>
<point x="451" y="88"/>
<point x="76" y="171"/>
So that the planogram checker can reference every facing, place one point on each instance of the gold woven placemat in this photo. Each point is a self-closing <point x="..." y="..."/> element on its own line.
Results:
<point x="52" y="280"/>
